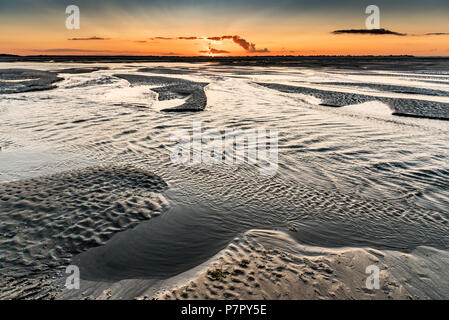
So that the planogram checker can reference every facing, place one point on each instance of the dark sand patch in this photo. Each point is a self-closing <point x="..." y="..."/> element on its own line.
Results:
<point x="328" y="98"/>
<point x="391" y="88"/>
<point x="419" y="108"/>
<point x="400" y="106"/>
<point x="163" y="70"/>
<point x="173" y="88"/>
<point x="434" y="81"/>
<point x="196" y="97"/>
<point x="409" y="76"/>
<point x="47" y="220"/>
<point x="26" y="80"/>
<point x="81" y="70"/>
<point x="99" y="81"/>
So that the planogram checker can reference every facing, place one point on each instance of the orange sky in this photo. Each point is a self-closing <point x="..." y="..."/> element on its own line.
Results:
<point x="133" y="31"/>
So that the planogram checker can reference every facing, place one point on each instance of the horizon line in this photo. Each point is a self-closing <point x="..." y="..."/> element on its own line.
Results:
<point x="217" y="56"/>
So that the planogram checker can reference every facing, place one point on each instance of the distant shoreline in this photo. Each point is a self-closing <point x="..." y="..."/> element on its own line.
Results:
<point x="396" y="63"/>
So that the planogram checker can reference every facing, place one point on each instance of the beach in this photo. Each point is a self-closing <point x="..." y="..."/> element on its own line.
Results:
<point x="353" y="178"/>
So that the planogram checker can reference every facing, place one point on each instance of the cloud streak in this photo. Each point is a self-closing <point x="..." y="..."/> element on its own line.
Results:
<point x="386" y="32"/>
<point x="369" y="31"/>
<point x="160" y="38"/>
<point x="247" y="46"/>
<point x="88" y="38"/>
<point x="102" y="52"/>
<point x="64" y="50"/>
<point x="243" y="43"/>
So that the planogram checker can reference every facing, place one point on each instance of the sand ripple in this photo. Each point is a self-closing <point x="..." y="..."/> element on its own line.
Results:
<point x="269" y="265"/>
<point x="24" y="80"/>
<point x="46" y="220"/>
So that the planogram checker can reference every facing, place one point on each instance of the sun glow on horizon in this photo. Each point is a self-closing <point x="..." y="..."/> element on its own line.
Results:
<point x="204" y="32"/>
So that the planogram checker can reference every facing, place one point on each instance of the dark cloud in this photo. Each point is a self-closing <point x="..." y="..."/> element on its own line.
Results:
<point x="161" y="38"/>
<point x="249" y="47"/>
<point x="386" y="32"/>
<point x="219" y="38"/>
<point x="369" y="31"/>
<point x="90" y="38"/>
<point x="244" y="44"/>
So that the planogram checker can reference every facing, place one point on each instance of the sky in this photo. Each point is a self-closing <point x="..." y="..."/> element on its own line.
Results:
<point x="224" y="28"/>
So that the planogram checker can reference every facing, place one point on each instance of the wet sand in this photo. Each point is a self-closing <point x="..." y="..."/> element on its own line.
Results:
<point x="263" y="264"/>
<point x="391" y="88"/>
<point x="172" y="88"/>
<point x="350" y="179"/>
<point x="25" y="80"/>
<point x="400" y="106"/>
<point x="271" y="265"/>
<point x="47" y="220"/>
